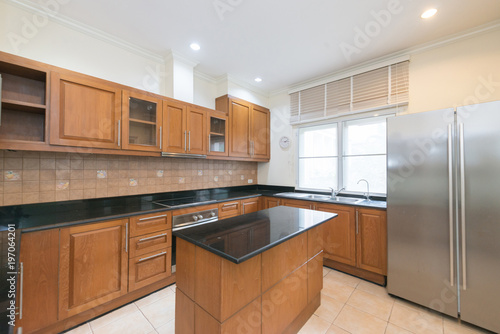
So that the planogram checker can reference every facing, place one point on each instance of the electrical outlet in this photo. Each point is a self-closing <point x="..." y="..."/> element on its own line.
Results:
<point x="250" y="180"/>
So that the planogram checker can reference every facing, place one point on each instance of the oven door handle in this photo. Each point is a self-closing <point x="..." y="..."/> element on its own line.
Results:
<point x="192" y="223"/>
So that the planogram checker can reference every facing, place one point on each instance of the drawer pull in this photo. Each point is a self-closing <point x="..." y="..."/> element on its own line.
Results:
<point x="152" y="256"/>
<point x="148" y="218"/>
<point x="230" y="204"/>
<point x="153" y="237"/>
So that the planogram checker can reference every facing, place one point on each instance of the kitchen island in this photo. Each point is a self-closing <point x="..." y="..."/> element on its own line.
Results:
<point x="255" y="273"/>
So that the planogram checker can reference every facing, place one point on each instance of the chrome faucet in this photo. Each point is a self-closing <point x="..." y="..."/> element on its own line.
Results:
<point x="367" y="194"/>
<point x="335" y="192"/>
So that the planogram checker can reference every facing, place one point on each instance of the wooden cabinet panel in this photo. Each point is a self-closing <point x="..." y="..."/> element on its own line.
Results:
<point x="271" y="202"/>
<point x="260" y="127"/>
<point x="149" y="268"/>
<point x="275" y="267"/>
<point x="84" y="112"/>
<point x="174" y="127"/>
<point x="297" y="203"/>
<point x="40" y="259"/>
<point x="250" y="205"/>
<point x="93" y="266"/>
<point x="314" y="277"/>
<point x="229" y="209"/>
<point x="197" y="131"/>
<point x="340" y="233"/>
<point x="372" y="240"/>
<point x="150" y="242"/>
<point x="218" y="134"/>
<point x="150" y="223"/>
<point x="315" y="241"/>
<point x="184" y="313"/>
<point x="277" y="310"/>
<point x="185" y="267"/>
<point x="141" y="122"/>
<point x="239" y="129"/>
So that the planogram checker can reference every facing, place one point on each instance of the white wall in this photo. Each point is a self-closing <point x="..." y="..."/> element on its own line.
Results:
<point x="464" y="72"/>
<point x="58" y="45"/>
<point x="205" y="91"/>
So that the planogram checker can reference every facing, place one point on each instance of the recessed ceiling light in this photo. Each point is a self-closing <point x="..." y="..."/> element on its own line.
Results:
<point x="429" y="13"/>
<point x="195" y="46"/>
<point x="258" y="79"/>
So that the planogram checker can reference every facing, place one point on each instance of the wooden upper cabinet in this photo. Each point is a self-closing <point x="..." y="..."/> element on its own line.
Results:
<point x="93" y="265"/>
<point x="217" y="128"/>
<point x="196" y="130"/>
<point x="339" y="234"/>
<point x="260" y="137"/>
<point x="249" y="128"/>
<point x="141" y="122"/>
<point x="239" y="128"/>
<point x="85" y="112"/>
<point x="185" y="128"/>
<point x="372" y="240"/>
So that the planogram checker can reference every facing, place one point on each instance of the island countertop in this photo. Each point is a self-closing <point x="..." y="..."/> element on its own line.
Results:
<point x="240" y="238"/>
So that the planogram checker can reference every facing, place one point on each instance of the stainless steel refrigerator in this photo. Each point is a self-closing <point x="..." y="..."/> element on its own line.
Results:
<point x="443" y="211"/>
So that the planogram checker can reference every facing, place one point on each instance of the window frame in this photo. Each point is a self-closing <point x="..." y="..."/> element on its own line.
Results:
<point x="340" y="147"/>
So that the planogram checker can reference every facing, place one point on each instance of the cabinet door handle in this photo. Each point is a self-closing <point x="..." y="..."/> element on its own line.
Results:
<point x="185" y="140"/>
<point x="450" y="203"/>
<point x="126" y="238"/>
<point x="119" y="132"/>
<point x="0" y="99"/>
<point x="209" y="143"/>
<point x="161" y="138"/>
<point x="462" y="205"/>
<point x="154" y="217"/>
<point x="21" y="283"/>
<point x="189" y="135"/>
<point x="152" y="256"/>
<point x="357" y="222"/>
<point x="153" y="237"/>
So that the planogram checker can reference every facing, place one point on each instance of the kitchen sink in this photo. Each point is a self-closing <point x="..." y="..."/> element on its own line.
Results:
<point x="326" y="198"/>
<point x="314" y="196"/>
<point x="340" y="199"/>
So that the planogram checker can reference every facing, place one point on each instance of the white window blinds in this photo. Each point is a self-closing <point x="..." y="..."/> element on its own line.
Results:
<point x="385" y="86"/>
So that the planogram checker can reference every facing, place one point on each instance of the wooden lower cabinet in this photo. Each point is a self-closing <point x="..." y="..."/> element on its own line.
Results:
<point x="229" y="209"/>
<point x="250" y="205"/>
<point x="93" y="266"/>
<point x="270" y="202"/>
<point x="297" y="203"/>
<point x="371" y="240"/>
<point x="39" y="258"/>
<point x="149" y="268"/>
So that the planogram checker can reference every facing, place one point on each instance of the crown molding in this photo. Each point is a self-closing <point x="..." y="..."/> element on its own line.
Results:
<point x="63" y="20"/>
<point x="172" y="55"/>
<point x="204" y="76"/>
<point x="246" y="85"/>
<point x="392" y="58"/>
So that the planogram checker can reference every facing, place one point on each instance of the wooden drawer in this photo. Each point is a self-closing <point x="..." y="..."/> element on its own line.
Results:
<point x="153" y="222"/>
<point x="229" y="209"/>
<point x="150" y="243"/>
<point x="250" y="205"/>
<point x="149" y="268"/>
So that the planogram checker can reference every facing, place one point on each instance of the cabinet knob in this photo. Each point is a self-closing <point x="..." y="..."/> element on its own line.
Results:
<point x="195" y="217"/>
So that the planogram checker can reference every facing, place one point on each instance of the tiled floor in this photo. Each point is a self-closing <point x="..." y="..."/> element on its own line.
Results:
<point x="348" y="305"/>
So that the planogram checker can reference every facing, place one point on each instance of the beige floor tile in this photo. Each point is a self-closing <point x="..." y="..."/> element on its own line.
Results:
<point x="173" y="287"/>
<point x="453" y="327"/>
<point x="161" y="311"/>
<point x="326" y="271"/>
<point x="153" y="332"/>
<point x="315" y="325"/>
<point x="122" y="312"/>
<point x="344" y="278"/>
<point x="416" y="320"/>
<point x="380" y="307"/>
<point x="168" y="328"/>
<point x="133" y="323"/>
<point x="372" y="288"/>
<point x="359" y="322"/>
<point x="329" y="308"/>
<point x="154" y="297"/>
<point x="83" y="329"/>
<point x="393" y="329"/>
<point x="333" y="288"/>
<point x="336" y="330"/>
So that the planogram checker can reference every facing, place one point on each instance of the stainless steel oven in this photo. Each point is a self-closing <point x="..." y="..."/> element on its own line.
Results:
<point x="189" y="220"/>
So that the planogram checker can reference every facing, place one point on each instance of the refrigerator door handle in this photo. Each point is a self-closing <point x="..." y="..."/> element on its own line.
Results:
<point x="462" y="205"/>
<point x="450" y="203"/>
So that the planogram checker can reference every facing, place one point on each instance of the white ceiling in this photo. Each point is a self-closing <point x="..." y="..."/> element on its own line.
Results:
<point x="282" y="41"/>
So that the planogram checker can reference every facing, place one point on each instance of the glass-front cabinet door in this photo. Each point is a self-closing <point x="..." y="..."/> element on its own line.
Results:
<point x="142" y="119"/>
<point x="217" y="133"/>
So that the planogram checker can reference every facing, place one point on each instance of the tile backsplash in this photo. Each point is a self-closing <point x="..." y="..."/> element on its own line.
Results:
<point x="36" y="177"/>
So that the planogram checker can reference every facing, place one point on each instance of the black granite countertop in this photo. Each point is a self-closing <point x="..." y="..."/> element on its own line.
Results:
<point x="261" y="231"/>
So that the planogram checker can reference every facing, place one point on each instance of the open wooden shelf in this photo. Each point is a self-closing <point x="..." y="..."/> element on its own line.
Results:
<point x="141" y="121"/>
<point x="23" y="106"/>
<point x="217" y="134"/>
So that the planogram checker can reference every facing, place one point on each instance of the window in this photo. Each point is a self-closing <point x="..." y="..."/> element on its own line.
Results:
<point x="362" y="146"/>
